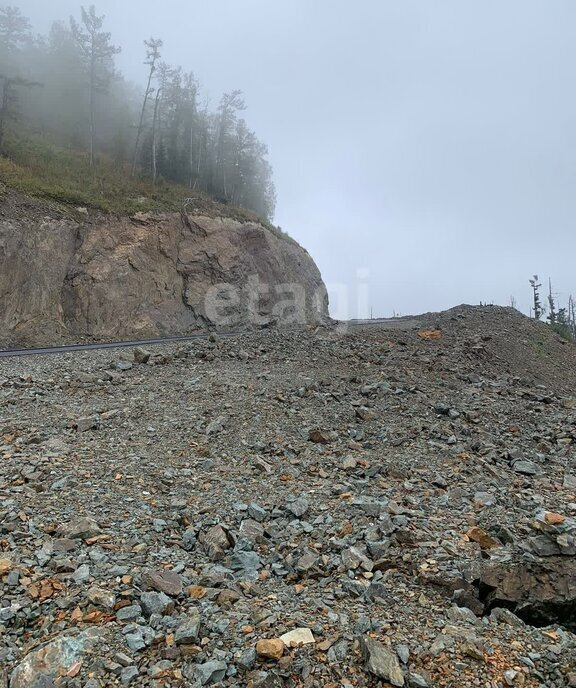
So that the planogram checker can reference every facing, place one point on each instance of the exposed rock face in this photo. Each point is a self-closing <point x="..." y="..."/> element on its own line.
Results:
<point x="148" y="275"/>
<point x="540" y="592"/>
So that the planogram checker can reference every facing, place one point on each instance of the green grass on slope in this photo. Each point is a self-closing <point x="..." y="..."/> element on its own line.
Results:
<point x="45" y="171"/>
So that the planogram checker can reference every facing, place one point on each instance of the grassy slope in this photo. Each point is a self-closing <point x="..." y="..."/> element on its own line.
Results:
<point x="64" y="177"/>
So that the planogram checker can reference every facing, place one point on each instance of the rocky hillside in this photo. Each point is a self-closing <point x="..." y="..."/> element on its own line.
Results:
<point x="366" y="507"/>
<point x="71" y="275"/>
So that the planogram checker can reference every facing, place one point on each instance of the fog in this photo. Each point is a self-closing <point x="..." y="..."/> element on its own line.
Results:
<point x="422" y="151"/>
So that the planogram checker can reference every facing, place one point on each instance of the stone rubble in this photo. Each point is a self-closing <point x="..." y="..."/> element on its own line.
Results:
<point x="322" y="508"/>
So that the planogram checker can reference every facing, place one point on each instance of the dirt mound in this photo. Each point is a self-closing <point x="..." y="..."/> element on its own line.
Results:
<point x="492" y="339"/>
<point x="509" y="342"/>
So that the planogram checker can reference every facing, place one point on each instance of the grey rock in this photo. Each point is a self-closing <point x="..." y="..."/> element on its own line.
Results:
<point x="82" y="574"/>
<point x="543" y="546"/>
<point x="462" y="614"/>
<point x="45" y="663"/>
<point x="379" y="549"/>
<point x="156" y="603"/>
<point x="417" y="681"/>
<point x="216" y="542"/>
<point x="247" y="659"/>
<point x="128" y="674"/>
<point x="307" y="561"/>
<point x="257" y="512"/>
<point x="382" y="662"/>
<point x="188" y="631"/>
<point x="485" y="499"/>
<point x="87" y="423"/>
<point x="82" y="529"/>
<point x="65" y="545"/>
<point x="189" y="539"/>
<point x="403" y="652"/>
<point x="252" y="530"/>
<point x="248" y="562"/>
<point x="163" y="581"/>
<point x="216" y="426"/>
<point x="526" y="467"/>
<point x="298" y="507"/>
<point x="210" y="673"/>
<point x="140" y="638"/>
<point x="101" y="597"/>
<point x="129" y="613"/>
<point x="141" y="355"/>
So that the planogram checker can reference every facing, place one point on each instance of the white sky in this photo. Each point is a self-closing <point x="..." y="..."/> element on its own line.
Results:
<point x="430" y="143"/>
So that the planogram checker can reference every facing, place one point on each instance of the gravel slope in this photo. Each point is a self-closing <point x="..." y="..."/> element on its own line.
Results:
<point x="398" y="493"/>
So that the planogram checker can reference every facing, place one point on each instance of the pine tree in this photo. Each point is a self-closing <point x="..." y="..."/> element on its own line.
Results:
<point x="537" y="307"/>
<point x="97" y="53"/>
<point x="152" y="56"/>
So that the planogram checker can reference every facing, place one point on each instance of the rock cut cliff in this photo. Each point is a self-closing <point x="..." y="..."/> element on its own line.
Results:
<point x="69" y="276"/>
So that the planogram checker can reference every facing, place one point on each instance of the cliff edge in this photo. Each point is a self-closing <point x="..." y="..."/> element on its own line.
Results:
<point x="67" y="275"/>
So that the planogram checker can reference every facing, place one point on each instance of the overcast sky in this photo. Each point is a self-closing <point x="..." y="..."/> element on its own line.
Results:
<point x="429" y="144"/>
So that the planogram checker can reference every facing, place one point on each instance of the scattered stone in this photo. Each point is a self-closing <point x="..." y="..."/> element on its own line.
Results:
<point x="216" y="542"/>
<point x="184" y="548"/>
<point x="128" y="675"/>
<point x="216" y="426"/>
<point x="270" y="649"/>
<point x="210" y="673"/>
<point x="141" y="355"/>
<point x="321" y="436"/>
<point x="156" y="603"/>
<point x="43" y="665"/>
<point x="382" y="662"/>
<point x="83" y="529"/>
<point x="188" y="631"/>
<point x="526" y="467"/>
<point x="297" y="637"/>
<point x="85" y="424"/>
<point x="129" y="613"/>
<point x="101" y="597"/>
<point x="163" y="581"/>
<point x="299" y="507"/>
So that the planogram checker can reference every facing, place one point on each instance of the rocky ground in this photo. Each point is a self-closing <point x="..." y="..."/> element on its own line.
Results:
<point x="326" y="508"/>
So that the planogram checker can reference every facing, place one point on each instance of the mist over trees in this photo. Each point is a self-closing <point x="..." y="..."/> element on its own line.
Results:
<point x="65" y="89"/>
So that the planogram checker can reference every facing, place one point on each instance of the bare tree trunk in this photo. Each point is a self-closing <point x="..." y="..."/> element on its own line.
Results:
<point x="199" y="162"/>
<point x="191" y="160"/>
<point x="552" y="316"/>
<point x="141" y="123"/>
<point x="3" y="111"/>
<point x="92" y="103"/>
<point x="155" y="136"/>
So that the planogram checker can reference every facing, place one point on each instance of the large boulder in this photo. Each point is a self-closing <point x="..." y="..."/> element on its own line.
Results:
<point x="40" y="667"/>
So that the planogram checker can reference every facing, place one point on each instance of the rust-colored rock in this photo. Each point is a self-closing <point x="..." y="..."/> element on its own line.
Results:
<point x="480" y="536"/>
<point x="552" y="519"/>
<point x="270" y="649"/>
<point x="6" y="565"/>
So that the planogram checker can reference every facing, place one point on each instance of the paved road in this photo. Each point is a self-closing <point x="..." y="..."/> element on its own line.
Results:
<point x="384" y="323"/>
<point x="8" y="353"/>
